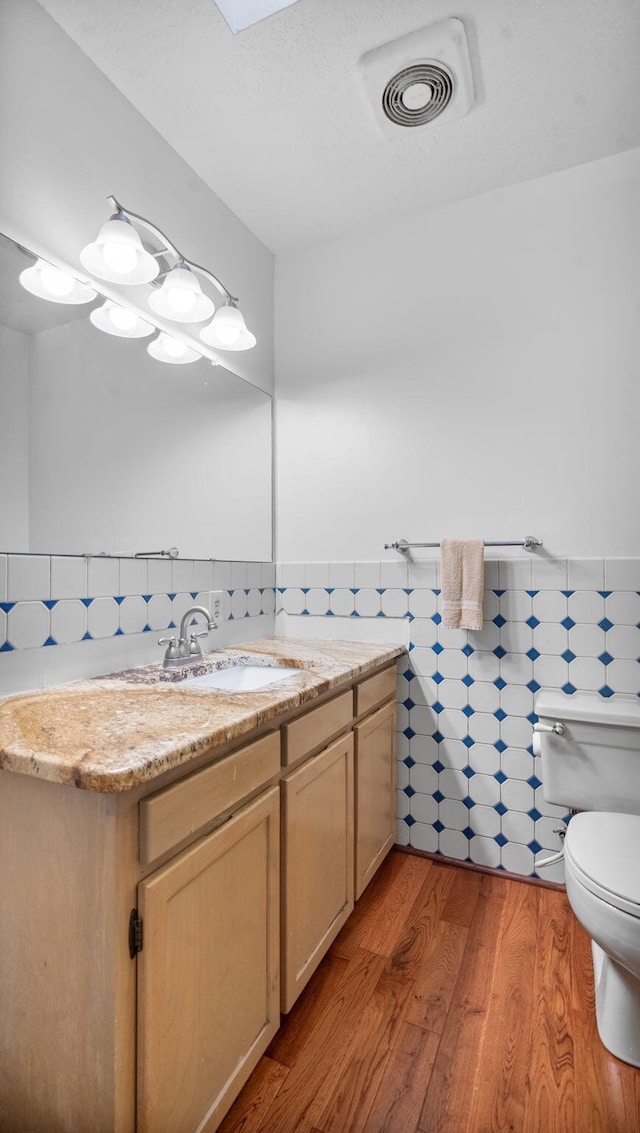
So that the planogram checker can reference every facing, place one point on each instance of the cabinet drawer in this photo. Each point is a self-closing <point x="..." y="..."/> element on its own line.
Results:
<point x="368" y="694"/>
<point x="315" y="728"/>
<point x="180" y="810"/>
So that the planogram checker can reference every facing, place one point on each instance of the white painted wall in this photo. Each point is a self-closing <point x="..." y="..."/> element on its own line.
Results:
<point x="471" y="371"/>
<point x="14" y="437"/>
<point x="69" y="139"/>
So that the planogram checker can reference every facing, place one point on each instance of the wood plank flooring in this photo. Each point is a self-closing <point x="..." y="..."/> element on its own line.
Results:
<point x="451" y="1002"/>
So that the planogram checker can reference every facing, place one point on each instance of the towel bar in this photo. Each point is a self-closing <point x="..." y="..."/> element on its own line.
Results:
<point x="529" y="543"/>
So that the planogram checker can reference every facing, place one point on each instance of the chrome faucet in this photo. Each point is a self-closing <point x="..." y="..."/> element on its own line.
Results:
<point x="183" y="650"/>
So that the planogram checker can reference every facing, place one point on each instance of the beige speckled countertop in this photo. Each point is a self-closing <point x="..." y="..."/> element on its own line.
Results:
<point x="113" y="733"/>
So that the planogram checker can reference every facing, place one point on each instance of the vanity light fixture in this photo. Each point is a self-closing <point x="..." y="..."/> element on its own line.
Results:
<point x="48" y="282"/>
<point x="181" y="298"/>
<point x="121" y="321"/>
<point x="117" y="254"/>
<point x="166" y="348"/>
<point x="228" y="330"/>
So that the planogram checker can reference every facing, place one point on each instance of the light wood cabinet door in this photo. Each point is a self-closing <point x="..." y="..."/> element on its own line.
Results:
<point x="317" y="854"/>
<point x="375" y="778"/>
<point x="208" y="975"/>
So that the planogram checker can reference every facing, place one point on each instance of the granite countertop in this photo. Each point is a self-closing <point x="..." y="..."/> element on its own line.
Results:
<point x="113" y="733"/>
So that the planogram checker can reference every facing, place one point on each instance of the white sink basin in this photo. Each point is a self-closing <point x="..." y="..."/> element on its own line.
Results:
<point x="240" y="678"/>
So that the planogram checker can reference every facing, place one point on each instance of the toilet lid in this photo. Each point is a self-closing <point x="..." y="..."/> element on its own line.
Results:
<point x="603" y="852"/>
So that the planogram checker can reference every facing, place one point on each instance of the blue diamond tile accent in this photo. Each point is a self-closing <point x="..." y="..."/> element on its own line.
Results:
<point x="7" y="606"/>
<point x="330" y="589"/>
<point x="409" y="791"/>
<point x="408" y="675"/>
<point x="569" y="688"/>
<point x="49" y="604"/>
<point x="500" y="714"/>
<point x="499" y="651"/>
<point x="499" y="621"/>
<point x="437" y="648"/>
<point x="438" y="766"/>
<point x="407" y="591"/>
<point x="50" y="641"/>
<point x="438" y="825"/>
<point x="468" y="742"/>
<point x="408" y="704"/>
<point x="438" y="678"/>
<point x="437" y="619"/>
<point x="468" y="650"/>
<point x="606" y="658"/>
<point x="568" y="623"/>
<point x="532" y="654"/>
<point x="534" y="782"/>
<point x="409" y="762"/>
<point x="532" y="718"/>
<point x="499" y="593"/>
<point x="534" y="846"/>
<point x="500" y="777"/>
<point x="501" y="808"/>
<point x="500" y="683"/>
<point x="438" y="796"/>
<point x="567" y="593"/>
<point x="532" y="593"/>
<point x="87" y="637"/>
<point x="436" y="592"/>
<point x="499" y="838"/>
<point x="569" y="656"/>
<point x="500" y="745"/>
<point x="330" y="614"/>
<point x="468" y="771"/>
<point x="147" y="597"/>
<point x="409" y="820"/>
<point x="467" y="680"/>
<point x="409" y="733"/>
<point x="534" y="814"/>
<point x="437" y="707"/>
<point x="468" y="710"/>
<point x="533" y="686"/>
<point x="468" y="802"/>
<point x="438" y="737"/>
<point x="6" y="648"/>
<point x="605" y="691"/>
<point x="469" y="833"/>
<point x="604" y="593"/>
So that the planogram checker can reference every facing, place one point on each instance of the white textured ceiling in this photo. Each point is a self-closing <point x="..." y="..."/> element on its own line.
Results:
<point x="274" y="119"/>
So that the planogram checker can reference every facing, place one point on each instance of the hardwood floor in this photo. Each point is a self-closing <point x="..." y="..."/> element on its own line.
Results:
<point x="451" y="1002"/>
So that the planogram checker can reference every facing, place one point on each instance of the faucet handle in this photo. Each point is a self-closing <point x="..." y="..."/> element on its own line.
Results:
<point x="194" y="648"/>
<point x="172" y="647"/>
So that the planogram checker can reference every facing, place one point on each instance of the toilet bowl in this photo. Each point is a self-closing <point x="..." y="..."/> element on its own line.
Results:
<point x="602" y="872"/>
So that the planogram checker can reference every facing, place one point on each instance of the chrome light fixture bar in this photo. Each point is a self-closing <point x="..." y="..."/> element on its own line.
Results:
<point x="118" y="256"/>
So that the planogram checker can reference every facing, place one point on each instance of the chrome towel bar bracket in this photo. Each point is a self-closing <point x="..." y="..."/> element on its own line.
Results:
<point x="530" y="543"/>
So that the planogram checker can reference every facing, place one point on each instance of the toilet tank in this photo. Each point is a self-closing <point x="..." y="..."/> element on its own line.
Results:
<point x="595" y="763"/>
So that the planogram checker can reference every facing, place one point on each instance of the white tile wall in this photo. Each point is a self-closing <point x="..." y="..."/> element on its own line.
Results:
<point x="469" y="784"/>
<point x="77" y="604"/>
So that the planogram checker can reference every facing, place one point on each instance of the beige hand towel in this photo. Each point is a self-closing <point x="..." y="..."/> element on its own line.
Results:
<point x="462" y="583"/>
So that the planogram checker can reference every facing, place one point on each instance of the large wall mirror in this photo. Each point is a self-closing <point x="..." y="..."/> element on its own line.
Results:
<point x="104" y="450"/>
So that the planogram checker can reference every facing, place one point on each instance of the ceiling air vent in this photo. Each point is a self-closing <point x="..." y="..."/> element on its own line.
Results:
<point x="420" y="78"/>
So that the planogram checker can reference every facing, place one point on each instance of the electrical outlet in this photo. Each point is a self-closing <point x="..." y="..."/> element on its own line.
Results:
<point x="215" y="605"/>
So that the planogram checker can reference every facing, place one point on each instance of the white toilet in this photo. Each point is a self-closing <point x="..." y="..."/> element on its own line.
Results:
<point x="590" y="750"/>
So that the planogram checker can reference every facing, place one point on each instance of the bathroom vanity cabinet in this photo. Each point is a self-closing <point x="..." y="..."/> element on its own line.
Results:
<point x="154" y="936"/>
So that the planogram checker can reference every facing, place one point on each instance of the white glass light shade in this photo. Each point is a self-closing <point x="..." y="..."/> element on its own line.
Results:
<point x="227" y="330"/>
<point x="48" y="282"/>
<point x="165" y="348"/>
<point x="180" y="298"/>
<point x="117" y="254"/>
<point x="113" y="319"/>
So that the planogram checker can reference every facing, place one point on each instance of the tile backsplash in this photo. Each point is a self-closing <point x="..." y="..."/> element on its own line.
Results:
<point x="469" y="785"/>
<point x="85" y="603"/>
